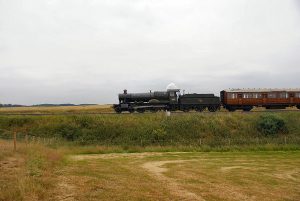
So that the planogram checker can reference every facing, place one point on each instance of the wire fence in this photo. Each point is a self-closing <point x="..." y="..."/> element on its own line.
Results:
<point x="199" y="142"/>
<point x="27" y="138"/>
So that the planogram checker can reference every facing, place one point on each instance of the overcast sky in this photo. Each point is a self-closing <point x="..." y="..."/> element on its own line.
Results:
<point x="87" y="51"/>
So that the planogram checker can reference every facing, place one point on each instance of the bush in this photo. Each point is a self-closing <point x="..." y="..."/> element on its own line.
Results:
<point x="271" y="125"/>
<point x="68" y="131"/>
<point x="158" y="135"/>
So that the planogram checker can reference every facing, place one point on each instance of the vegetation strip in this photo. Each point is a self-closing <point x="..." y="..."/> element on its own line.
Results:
<point x="199" y="132"/>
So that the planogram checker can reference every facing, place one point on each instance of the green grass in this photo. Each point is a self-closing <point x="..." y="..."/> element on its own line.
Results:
<point x="220" y="131"/>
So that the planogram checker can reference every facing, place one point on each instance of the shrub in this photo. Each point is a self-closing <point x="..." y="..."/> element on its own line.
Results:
<point x="158" y="135"/>
<point x="271" y="125"/>
<point x="12" y="122"/>
<point x="67" y="131"/>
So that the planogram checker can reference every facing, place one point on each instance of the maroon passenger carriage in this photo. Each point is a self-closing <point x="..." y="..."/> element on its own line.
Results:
<point x="246" y="99"/>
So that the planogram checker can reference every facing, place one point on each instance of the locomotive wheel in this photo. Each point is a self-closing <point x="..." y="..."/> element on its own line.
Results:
<point x="186" y="109"/>
<point x="200" y="109"/>
<point x="131" y="111"/>
<point x="118" y="110"/>
<point x="140" y="110"/>
<point x="212" y="108"/>
<point x="154" y="110"/>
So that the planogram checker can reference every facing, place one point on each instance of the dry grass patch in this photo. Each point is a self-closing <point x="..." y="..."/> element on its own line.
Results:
<point x="57" y="109"/>
<point x="28" y="174"/>
<point x="241" y="176"/>
<point x="187" y="176"/>
<point x="36" y="172"/>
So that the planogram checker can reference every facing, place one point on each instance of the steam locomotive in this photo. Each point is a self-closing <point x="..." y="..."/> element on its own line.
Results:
<point x="170" y="100"/>
<point x="231" y="100"/>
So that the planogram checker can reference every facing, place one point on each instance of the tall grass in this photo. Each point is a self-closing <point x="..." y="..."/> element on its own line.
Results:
<point x="218" y="130"/>
<point x="30" y="172"/>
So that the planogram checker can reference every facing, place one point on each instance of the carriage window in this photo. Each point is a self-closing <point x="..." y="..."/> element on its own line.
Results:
<point x="247" y="95"/>
<point x="257" y="95"/>
<point x="283" y="95"/>
<point x="271" y="95"/>
<point x="297" y="95"/>
<point x="232" y="95"/>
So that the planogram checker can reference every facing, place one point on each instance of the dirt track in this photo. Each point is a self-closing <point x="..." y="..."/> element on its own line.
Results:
<point x="155" y="168"/>
<point x="159" y="165"/>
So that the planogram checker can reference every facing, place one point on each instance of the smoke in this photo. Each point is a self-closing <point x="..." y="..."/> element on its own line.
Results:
<point x="171" y="86"/>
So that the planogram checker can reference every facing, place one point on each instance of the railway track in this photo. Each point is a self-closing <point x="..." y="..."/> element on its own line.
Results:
<point x="176" y="113"/>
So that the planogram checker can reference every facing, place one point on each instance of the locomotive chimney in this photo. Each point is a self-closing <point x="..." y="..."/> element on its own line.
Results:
<point x="125" y="91"/>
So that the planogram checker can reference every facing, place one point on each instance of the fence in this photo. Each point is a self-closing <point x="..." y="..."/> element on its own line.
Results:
<point x="220" y="142"/>
<point x="17" y="137"/>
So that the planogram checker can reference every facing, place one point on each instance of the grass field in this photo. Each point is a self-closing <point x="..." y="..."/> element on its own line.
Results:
<point x="223" y="156"/>
<point x="57" y="109"/>
<point x="37" y="172"/>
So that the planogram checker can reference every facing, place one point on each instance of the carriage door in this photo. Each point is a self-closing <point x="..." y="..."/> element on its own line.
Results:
<point x="291" y="96"/>
<point x="240" y="98"/>
<point x="264" y="96"/>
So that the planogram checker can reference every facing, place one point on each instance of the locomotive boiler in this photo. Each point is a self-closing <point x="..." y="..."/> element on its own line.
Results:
<point x="143" y="97"/>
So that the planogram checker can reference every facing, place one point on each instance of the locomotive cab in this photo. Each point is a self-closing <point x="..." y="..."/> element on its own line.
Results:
<point x="174" y="95"/>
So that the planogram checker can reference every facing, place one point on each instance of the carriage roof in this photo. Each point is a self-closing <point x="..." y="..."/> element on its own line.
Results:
<point x="261" y="90"/>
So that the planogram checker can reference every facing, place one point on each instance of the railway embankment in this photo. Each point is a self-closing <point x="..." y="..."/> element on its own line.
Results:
<point x="221" y="131"/>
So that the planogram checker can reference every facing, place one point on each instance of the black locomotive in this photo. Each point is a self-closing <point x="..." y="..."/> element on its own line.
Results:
<point x="170" y="100"/>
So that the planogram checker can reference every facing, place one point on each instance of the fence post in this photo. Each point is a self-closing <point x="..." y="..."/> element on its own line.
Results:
<point x="285" y="140"/>
<point x="26" y="138"/>
<point x="15" y="141"/>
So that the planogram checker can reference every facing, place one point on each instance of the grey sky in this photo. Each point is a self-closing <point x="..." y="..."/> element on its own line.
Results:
<point x="86" y="51"/>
